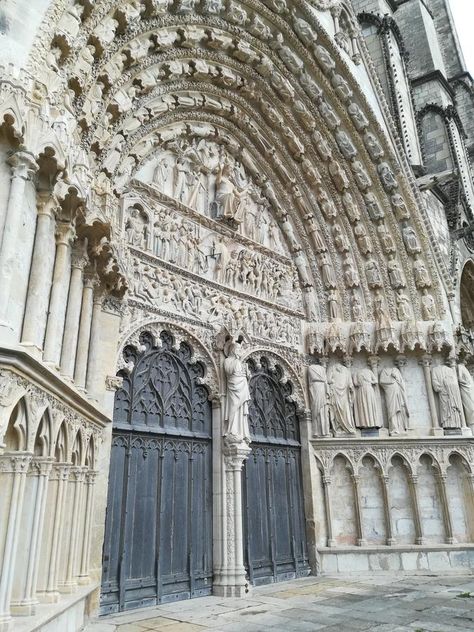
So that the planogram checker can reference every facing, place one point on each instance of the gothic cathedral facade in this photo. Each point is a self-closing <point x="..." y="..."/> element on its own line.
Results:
<point x="236" y="298"/>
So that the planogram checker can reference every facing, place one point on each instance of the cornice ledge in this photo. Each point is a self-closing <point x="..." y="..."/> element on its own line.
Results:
<point x="26" y="366"/>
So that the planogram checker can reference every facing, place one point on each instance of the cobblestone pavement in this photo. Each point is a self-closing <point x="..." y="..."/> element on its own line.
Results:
<point x="382" y="603"/>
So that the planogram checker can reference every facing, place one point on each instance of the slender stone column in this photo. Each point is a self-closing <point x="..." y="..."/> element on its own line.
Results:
<point x="233" y="581"/>
<point x="83" y="577"/>
<point x="386" y="505"/>
<point x="61" y="473"/>
<point x="360" y="534"/>
<point x="93" y="385"/>
<point x="16" y="466"/>
<point x="76" y="482"/>
<point x="55" y="325"/>
<point x="71" y="328"/>
<point x="426" y="362"/>
<point x="327" y="506"/>
<point x="41" y="274"/>
<point x="448" y="523"/>
<point x="25" y="602"/>
<point x="23" y="166"/>
<point x="413" y="483"/>
<point x="90" y="280"/>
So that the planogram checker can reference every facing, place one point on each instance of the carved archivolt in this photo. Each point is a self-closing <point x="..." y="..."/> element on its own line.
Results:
<point x="267" y="78"/>
<point x="194" y="339"/>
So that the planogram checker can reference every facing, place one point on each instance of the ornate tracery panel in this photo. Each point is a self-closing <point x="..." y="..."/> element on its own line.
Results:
<point x="158" y="539"/>
<point x="275" y="540"/>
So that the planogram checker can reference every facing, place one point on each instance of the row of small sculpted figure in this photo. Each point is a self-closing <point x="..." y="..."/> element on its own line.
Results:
<point x="342" y="401"/>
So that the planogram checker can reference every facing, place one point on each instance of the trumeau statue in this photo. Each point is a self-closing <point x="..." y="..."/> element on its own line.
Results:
<point x="318" y="391"/>
<point x="445" y="383"/>
<point x="365" y="402"/>
<point x="341" y="392"/>
<point x="237" y="395"/>
<point x="391" y="381"/>
<point x="466" y="387"/>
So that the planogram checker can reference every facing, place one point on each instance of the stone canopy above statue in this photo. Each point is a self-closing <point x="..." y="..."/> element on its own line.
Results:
<point x="201" y="175"/>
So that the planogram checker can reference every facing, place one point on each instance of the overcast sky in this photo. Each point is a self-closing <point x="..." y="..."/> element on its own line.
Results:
<point x="463" y="12"/>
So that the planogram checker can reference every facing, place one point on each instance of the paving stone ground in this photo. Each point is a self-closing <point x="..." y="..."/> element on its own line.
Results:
<point x="382" y="603"/>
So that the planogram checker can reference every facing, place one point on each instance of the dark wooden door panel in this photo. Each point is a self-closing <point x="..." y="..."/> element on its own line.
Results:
<point x="158" y="541"/>
<point x="274" y="522"/>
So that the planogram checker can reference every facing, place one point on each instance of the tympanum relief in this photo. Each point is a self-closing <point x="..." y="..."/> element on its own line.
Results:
<point x="200" y="175"/>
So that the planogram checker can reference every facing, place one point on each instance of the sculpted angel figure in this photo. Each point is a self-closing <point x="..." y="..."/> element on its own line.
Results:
<point x="237" y="395"/>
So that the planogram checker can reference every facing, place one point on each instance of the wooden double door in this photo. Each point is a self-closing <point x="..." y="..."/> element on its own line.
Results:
<point x="158" y="539"/>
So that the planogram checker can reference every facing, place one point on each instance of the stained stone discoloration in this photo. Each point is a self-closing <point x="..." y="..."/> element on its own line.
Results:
<point x="343" y="604"/>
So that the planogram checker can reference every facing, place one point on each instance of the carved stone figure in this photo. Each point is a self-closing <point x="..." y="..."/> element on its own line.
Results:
<point x="422" y="277"/>
<point x="466" y="387"/>
<point x="365" y="402"/>
<point x="361" y="176"/>
<point x="237" y="395"/>
<point x="400" y="208"/>
<point x="386" y="176"/>
<point x="341" y="181"/>
<point x="411" y="240"/>
<point x="393" y="385"/>
<point x="351" y="275"/>
<point x="350" y="207"/>
<point x="328" y="275"/>
<point x="373" y="146"/>
<point x="318" y="392"/>
<point x="445" y="383"/>
<point x="363" y="240"/>
<point x="428" y="306"/>
<point x="345" y="144"/>
<point x="386" y="239"/>
<point x="359" y="118"/>
<point x="374" y="278"/>
<point x="324" y="58"/>
<point x="397" y="280"/>
<point x="404" y="311"/>
<point x="341" y="87"/>
<point x="375" y="211"/>
<point x="227" y="196"/>
<point x="341" y="392"/>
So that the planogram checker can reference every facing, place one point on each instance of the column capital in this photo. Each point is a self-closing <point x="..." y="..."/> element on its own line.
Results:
<point x="23" y="164"/>
<point x="48" y="205"/>
<point x="235" y="454"/>
<point x="15" y="463"/>
<point x="65" y="233"/>
<point x="91" y="279"/>
<point x="79" y="258"/>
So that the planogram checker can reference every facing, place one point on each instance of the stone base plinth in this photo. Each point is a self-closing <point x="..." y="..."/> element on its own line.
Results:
<point x="456" y="559"/>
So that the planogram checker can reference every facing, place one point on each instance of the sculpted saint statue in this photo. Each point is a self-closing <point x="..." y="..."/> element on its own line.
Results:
<point x="237" y="395"/>
<point x="391" y="381"/>
<point x="466" y="386"/>
<point x="445" y="383"/>
<point x="318" y="391"/>
<point x="365" y="403"/>
<point x="341" y="391"/>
